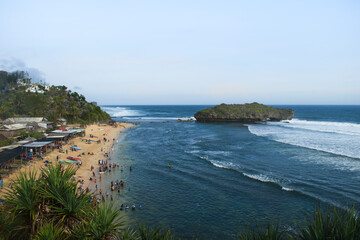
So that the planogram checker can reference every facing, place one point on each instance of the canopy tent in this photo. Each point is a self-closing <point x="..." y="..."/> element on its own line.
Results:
<point x="25" y="141"/>
<point x="8" y="155"/>
<point x="55" y="136"/>
<point x="36" y="144"/>
<point x="78" y="130"/>
<point x="65" y="132"/>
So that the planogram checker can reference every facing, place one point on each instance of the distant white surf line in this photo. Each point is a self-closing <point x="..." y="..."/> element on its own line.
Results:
<point x="122" y="111"/>
<point x="159" y="118"/>
<point x="322" y="126"/>
<point x="334" y="142"/>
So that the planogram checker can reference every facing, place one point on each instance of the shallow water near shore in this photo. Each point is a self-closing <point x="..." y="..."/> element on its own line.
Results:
<point x="225" y="177"/>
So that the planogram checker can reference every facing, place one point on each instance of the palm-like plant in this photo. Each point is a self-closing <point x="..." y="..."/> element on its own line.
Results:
<point x="24" y="203"/>
<point x="54" y="199"/>
<point x="50" y="232"/>
<point x="332" y="224"/>
<point x="272" y="232"/>
<point x="105" y="222"/>
<point x="66" y="204"/>
<point x="155" y="233"/>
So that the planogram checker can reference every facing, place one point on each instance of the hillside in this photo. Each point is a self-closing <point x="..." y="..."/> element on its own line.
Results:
<point x="52" y="103"/>
<point x="247" y="113"/>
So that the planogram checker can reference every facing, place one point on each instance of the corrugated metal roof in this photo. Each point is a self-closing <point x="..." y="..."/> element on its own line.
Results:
<point x="12" y="127"/>
<point x="36" y="144"/>
<point x="26" y="120"/>
<point x="64" y="132"/>
<point x="56" y="136"/>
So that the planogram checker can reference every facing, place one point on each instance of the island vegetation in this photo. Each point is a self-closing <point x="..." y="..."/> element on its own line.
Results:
<point x="50" y="102"/>
<point x="246" y="113"/>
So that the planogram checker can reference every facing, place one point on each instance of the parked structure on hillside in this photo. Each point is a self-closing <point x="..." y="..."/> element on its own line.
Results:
<point x="12" y="130"/>
<point x="38" y="88"/>
<point x="12" y="127"/>
<point x="41" y="121"/>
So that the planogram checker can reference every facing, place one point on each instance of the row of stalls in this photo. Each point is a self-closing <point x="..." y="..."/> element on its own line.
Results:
<point x="29" y="149"/>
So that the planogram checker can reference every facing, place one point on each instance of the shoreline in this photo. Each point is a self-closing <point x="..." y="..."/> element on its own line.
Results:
<point x="97" y="152"/>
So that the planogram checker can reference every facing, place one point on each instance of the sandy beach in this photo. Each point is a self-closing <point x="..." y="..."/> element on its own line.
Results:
<point x="96" y="150"/>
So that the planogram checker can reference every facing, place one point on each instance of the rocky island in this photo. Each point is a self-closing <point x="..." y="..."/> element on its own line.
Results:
<point x="245" y="113"/>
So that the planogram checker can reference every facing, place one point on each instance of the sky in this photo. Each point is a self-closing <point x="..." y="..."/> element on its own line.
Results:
<point x="188" y="52"/>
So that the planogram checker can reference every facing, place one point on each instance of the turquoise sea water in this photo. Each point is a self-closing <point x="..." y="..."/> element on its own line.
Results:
<point x="229" y="176"/>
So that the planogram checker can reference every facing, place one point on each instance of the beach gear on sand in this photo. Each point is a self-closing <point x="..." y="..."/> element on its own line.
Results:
<point x="76" y="148"/>
<point x="72" y="158"/>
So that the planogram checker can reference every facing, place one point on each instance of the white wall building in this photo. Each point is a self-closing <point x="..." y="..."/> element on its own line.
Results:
<point x="37" y="88"/>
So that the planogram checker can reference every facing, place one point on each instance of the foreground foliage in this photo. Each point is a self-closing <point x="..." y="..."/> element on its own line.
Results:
<point x="51" y="207"/>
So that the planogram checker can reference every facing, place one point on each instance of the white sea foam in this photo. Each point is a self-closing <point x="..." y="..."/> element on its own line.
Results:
<point x="193" y="151"/>
<point x="337" y="138"/>
<point x="322" y="126"/>
<point x="122" y="111"/>
<point x="287" y="189"/>
<point x="222" y="164"/>
<point x="219" y="164"/>
<point x="261" y="177"/>
<point x="224" y="153"/>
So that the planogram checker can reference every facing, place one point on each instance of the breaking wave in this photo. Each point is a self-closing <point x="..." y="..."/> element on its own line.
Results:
<point x="332" y="137"/>
<point x="122" y="111"/>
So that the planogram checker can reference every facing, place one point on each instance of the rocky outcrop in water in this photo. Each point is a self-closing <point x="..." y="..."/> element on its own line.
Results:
<point x="245" y="113"/>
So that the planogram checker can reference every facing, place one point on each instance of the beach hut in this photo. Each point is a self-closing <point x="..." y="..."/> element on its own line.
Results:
<point x="58" y="140"/>
<point x="36" y="149"/>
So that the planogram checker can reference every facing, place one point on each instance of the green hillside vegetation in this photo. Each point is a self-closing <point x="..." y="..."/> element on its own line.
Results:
<point x="58" y="102"/>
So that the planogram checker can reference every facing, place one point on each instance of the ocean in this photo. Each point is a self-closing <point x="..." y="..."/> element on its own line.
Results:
<point x="226" y="177"/>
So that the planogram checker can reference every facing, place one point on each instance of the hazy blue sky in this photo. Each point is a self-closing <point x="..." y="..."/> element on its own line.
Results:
<point x="189" y="52"/>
